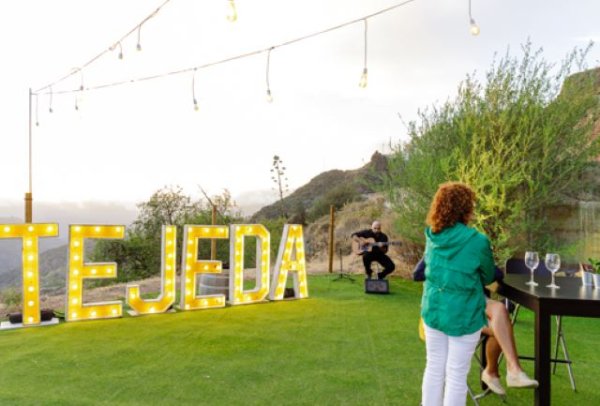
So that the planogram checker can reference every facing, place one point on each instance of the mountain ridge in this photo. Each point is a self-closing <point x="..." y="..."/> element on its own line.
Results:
<point x="351" y="183"/>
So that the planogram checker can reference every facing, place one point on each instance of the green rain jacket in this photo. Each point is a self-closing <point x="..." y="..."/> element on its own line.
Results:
<point x="459" y="263"/>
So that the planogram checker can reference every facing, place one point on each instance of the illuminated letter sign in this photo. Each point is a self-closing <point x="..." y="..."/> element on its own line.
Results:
<point x="191" y="267"/>
<point x="290" y="258"/>
<point x="78" y="271"/>
<point x="29" y="233"/>
<point x="167" y="279"/>
<point x="237" y="294"/>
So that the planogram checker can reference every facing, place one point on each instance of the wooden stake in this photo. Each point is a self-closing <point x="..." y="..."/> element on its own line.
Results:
<point x="213" y="242"/>
<point x="331" y="226"/>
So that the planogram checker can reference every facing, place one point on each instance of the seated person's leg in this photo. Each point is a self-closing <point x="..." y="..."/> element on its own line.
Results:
<point x="388" y="266"/>
<point x="490" y="374"/>
<point x="367" y="260"/>
<point x="502" y="330"/>
<point x="492" y="353"/>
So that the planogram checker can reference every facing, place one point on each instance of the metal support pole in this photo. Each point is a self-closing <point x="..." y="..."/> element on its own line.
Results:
<point x="331" y="226"/>
<point x="29" y="194"/>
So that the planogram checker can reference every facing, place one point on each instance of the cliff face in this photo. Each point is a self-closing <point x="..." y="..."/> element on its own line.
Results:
<point x="575" y="82"/>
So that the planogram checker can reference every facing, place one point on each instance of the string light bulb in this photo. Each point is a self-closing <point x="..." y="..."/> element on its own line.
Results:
<point x="474" y="28"/>
<point x="139" y="45"/>
<point x="50" y="101"/>
<point x="80" y="78"/>
<point x="79" y="95"/>
<point x="118" y="44"/>
<point x="232" y="14"/>
<point x="79" y="100"/>
<point x="37" y="119"/>
<point x="364" y="77"/>
<point x="269" y="95"/>
<point x="196" y="107"/>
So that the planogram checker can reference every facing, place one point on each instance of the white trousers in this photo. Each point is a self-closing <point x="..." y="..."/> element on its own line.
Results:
<point x="447" y="367"/>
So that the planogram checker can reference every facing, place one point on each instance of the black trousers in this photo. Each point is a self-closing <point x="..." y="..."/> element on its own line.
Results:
<point x="381" y="258"/>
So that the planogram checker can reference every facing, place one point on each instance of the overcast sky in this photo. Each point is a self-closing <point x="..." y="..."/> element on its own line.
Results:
<point x="126" y="142"/>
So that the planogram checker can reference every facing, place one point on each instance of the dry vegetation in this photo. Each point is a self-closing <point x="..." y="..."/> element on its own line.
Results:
<point x="353" y="217"/>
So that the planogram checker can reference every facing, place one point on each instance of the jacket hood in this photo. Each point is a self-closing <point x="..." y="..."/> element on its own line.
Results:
<point x="450" y="240"/>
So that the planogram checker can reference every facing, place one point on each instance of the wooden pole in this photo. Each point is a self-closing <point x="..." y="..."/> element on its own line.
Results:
<point x="331" y="226"/>
<point x="213" y="242"/>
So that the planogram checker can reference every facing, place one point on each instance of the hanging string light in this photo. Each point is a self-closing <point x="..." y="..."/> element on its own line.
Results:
<point x="79" y="95"/>
<point x="47" y="89"/>
<point x="196" y="108"/>
<point x="363" y="77"/>
<point x="37" y="119"/>
<point x="474" y="28"/>
<point x="50" y="101"/>
<point x="80" y="78"/>
<point x="139" y="45"/>
<point x="106" y="50"/>
<point x="120" y="50"/>
<point x="78" y="100"/>
<point x="117" y="45"/>
<point x="269" y="95"/>
<point x="232" y="12"/>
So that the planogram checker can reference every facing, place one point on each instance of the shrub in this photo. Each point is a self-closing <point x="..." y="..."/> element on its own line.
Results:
<point x="12" y="298"/>
<point x="517" y="139"/>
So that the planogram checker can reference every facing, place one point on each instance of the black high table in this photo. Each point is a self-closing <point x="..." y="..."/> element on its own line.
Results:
<point x="572" y="299"/>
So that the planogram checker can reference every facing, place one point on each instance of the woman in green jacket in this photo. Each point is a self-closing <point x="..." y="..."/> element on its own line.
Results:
<point x="459" y="264"/>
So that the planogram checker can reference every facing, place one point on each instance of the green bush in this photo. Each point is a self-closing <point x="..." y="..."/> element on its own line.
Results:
<point x="12" y="298"/>
<point x="338" y="196"/>
<point x="519" y="140"/>
<point x="139" y="253"/>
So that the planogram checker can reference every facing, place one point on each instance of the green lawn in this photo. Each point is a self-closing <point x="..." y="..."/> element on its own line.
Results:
<point x="339" y="347"/>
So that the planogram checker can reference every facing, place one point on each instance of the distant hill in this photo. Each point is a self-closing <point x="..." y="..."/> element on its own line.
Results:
<point x="360" y="181"/>
<point x="52" y="269"/>
<point x="53" y="250"/>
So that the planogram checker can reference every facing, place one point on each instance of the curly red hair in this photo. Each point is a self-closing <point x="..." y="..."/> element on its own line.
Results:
<point x="453" y="202"/>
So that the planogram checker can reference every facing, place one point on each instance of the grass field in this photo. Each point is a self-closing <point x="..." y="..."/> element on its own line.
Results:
<point x="339" y="347"/>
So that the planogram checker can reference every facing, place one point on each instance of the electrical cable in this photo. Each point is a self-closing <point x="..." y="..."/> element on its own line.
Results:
<point x="95" y="58"/>
<point x="222" y="61"/>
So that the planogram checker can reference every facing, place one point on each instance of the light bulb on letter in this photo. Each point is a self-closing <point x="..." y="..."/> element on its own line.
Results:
<point x="269" y="96"/>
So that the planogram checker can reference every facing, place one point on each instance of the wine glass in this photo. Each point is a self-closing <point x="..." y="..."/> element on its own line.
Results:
<point x="532" y="260"/>
<point x="552" y="262"/>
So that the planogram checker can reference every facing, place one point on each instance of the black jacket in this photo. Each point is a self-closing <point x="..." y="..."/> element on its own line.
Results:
<point x="378" y="237"/>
